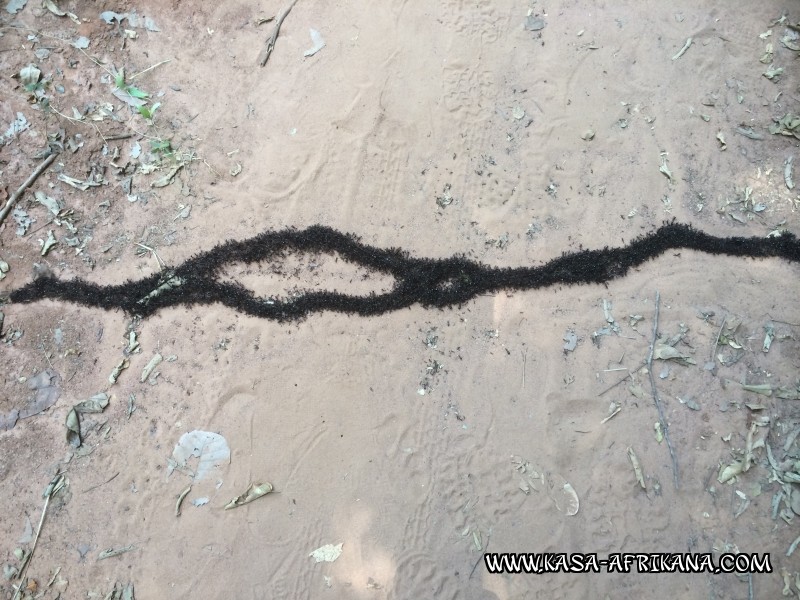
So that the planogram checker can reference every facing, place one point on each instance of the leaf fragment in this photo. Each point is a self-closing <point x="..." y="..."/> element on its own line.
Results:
<point x="327" y="553"/>
<point x="763" y="388"/>
<point x="110" y="552"/>
<point x="53" y="8"/>
<point x="769" y="335"/>
<point x="14" y="6"/>
<point x="255" y="491"/>
<point x="534" y="23"/>
<point x="128" y="97"/>
<point x="749" y="132"/>
<point x="73" y="428"/>
<point x="790" y="40"/>
<point x="773" y="73"/>
<point x="211" y="449"/>
<point x="29" y="76"/>
<point x="77" y="183"/>
<point x="571" y="341"/>
<point x="152" y="364"/>
<point x="95" y="404"/>
<point x="317" y="41"/>
<point x="665" y="169"/>
<point x="788" y="124"/>
<point x="731" y="471"/>
<point x="664" y="351"/>
<point x="48" y="243"/>
<point x="167" y="179"/>
<point x="768" y="55"/>
<point x="637" y="467"/>
<point x="788" y="393"/>
<point x="51" y="204"/>
<point x="121" y="366"/>
<point x="787" y="173"/>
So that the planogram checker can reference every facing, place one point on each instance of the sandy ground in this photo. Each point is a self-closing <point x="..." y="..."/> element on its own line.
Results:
<point x="422" y="438"/>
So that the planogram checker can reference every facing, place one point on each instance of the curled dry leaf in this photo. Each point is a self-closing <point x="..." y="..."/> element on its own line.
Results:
<point x="637" y="467"/>
<point x="154" y="362"/>
<point x="73" y="429"/>
<point x="255" y="491"/>
<point x="121" y="366"/>
<point x="30" y="75"/>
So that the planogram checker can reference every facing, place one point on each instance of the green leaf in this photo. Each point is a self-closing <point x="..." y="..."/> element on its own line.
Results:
<point x="161" y="146"/>
<point x="136" y="92"/>
<point x="148" y="112"/>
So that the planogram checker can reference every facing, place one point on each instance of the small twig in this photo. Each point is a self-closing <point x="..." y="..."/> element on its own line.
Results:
<point x="716" y="342"/>
<point x="210" y="168"/>
<point x="783" y="322"/>
<point x="182" y="495"/>
<point x="793" y="546"/>
<point x="94" y="487"/>
<point x="64" y="43"/>
<point x="118" y="136"/>
<point x="682" y="50"/>
<point x="628" y="376"/>
<point x="750" y="586"/>
<point x="28" y="182"/>
<point x="524" y="364"/>
<point x="161" y="263"/>
<point x="55" y="485"/>
<point x="483" y="553"/>
<point x="150" y="68"/>
<point x="47" y="357"/>
<point x="264" y="56"/>
<point x="656" y="399"/>
<point x="46" y="224"/>
<point x="74" y="120"/>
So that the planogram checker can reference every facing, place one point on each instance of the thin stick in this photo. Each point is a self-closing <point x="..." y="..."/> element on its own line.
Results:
<point x="161" y="263"/>
<point x="28" y="182"/>
<point x="94" y="487"/>
<point x="716" y="342"/>
<point x="264" y="56"/>
<point x="471" y="573"/>
<point x="183" y="495"/>
<point x="524" y="363"/>
<point x="783" y="322"/>
<point x="53" y="489"/>
<point x="46" y="224"/>
<point x="118" y="136"/>
<point x="682" y="50"/>
<point x="150" y="68"/>
<point x="41" y="346"/>
<point x="656" y="399"/>
<point x="74" y="120"/>
<point x="611" y="387"/>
